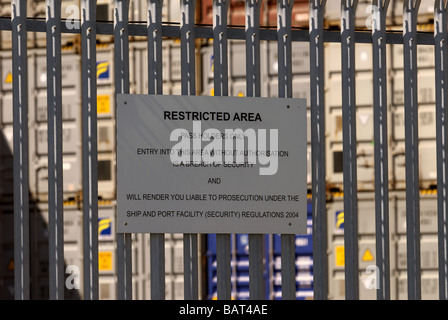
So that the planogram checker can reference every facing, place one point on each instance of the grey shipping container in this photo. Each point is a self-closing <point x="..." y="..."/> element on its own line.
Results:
<point x="397" y="236"/>
<point x="73" y="261"/>
<point x="71" y="110"/>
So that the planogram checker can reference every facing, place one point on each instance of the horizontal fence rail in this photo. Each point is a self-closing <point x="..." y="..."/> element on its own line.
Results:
<point x="155" y="31"/>
<point x="233" y="33"/>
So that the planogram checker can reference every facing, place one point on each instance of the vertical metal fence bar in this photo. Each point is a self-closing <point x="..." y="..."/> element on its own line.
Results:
<point x="187" y="42"/>
<point x="154" y="24"/>
<point x="221" y="88"/>
<point x="256" y="267"/>
<point x="410" y="11"/>
<point x="253" y="88"/>
<point x="220" y="59"/>
<point x="224" y="271"/>
<point x="121" y="63"/>
<point x="253" y="60"/>
<point x="157" y="248"/>
<point x="55" y="178"/>
<point x="20" y="155"/>
<point x="381" y="147"/>
<point x="288" y="266"/>
<point x="157" y="240"/>
<point x="441" y="73"/>
<point x="191" y="267"/>
<point x="89" y="149"/>
<point x="319" y="200"/>
<point x="348" y="9"/>
<point x="284" y="12"/>
<point x="188" y="70"/>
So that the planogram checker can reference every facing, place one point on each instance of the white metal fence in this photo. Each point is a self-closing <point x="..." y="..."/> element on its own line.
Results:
<point x="154" y="30"/>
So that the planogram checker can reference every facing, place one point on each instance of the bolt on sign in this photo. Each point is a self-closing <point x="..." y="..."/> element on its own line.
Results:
<point x="189" y="164"/>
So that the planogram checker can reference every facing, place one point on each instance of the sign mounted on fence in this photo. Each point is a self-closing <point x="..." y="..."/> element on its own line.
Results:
<point x="197" y="164"/>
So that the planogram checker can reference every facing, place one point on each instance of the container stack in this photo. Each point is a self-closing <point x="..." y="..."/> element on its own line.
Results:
<point x="72" y="157"/>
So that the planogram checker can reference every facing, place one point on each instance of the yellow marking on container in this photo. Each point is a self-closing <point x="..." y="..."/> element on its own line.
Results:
<point x="428" y="192"/>
<point x="340" y="256"/>
<point x="367" y="256"/>
<point x="8" y="78"/>
<point x="104" y="202"/>
<point x="102" y="45"/>
<point x="102" y="68"/>
<point x="339" y="219"/>
<point x="105" y="261"/>
<point x="338" y="194"/>
<point x="103" y="104"/>
<point x="104" y="224"/>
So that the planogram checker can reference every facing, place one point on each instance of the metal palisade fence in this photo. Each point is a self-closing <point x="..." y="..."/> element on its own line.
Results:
<point x="187" y="32"/>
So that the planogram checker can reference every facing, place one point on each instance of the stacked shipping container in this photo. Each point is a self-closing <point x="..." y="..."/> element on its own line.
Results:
<point x="237" y="83"/>
<point x="367" y="252"/>
<point x="71" y="92"/>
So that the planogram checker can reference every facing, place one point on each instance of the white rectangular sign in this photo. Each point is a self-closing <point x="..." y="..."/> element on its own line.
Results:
<point x="197" y="164"/>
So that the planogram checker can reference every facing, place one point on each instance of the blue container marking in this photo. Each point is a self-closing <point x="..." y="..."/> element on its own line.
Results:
<point x="304" y="244"/>
<point x="339" y="221"/>
<point x="211" y="244"/>
<point x="240" y="264"/>
<point x="304" y="263"/>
